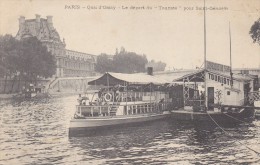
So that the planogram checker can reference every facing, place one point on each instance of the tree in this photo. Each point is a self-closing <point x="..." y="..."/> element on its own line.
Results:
<point x="104" y="63"/>
<point x="129" y="62"/>
<point x="126" y="62"/>
<point x="35" y="59"/>
<point x="27" y="59"/>
<point x="8" y="54"/>
<point x="122" y="62"/>
<point x="255" y="31"/>
<point x="8" y="58"/>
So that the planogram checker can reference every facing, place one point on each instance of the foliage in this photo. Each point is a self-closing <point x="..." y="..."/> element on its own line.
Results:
<point x="104" y="63"/>
<point x="157" y="66"/>
<point x="8" y="54"/>
<point x="255" y="31"/>
<point x="27" y="58"/>
<point x="123" y="62"/>
<point x="129" y="62"/>
<point x="35" y="59"/>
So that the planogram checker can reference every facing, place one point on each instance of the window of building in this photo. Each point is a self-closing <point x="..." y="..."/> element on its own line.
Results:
<point x="216" y="78"/>
<point x="228" y="92"/>
<point x="225" y="81"/>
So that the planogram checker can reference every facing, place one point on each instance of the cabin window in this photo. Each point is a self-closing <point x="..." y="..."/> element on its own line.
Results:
<point x="228" y="92"/>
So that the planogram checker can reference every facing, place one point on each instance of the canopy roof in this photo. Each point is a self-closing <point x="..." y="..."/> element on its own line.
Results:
<point x="112" y="79"/>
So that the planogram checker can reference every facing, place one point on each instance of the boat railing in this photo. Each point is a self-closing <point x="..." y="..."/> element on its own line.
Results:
<point x="111" y="110"/>
<point x="194" y="102"/>
<point x="131" y="96"/>
<point x="90" y="110"/>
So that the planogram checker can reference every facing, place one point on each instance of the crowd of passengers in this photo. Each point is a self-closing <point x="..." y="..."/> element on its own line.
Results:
<point x="113" y="94"/>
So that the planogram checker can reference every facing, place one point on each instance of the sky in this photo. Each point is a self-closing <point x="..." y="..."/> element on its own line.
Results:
<point x="174" y="36"/>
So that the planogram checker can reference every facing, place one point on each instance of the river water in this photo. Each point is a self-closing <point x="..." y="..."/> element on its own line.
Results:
<point x="36" y="132"/>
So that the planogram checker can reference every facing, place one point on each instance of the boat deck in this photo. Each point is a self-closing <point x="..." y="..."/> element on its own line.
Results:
<point x="123" y="116"/>
<point x="192" y="112"/>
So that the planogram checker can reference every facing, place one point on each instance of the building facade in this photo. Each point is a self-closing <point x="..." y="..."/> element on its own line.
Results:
<point x="79" y="64"/>
<point x="69" y="63"/>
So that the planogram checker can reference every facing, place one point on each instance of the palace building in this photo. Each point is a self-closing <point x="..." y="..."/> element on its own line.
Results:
<point x="69" y="63"/>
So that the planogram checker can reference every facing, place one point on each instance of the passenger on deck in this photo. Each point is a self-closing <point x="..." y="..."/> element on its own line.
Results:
<point x="202" y="96"/>
<point x="80" y="99"/>
<point x="117" y="93"/>
<point x="85" y="100"/>
<point x="99" y="93"/>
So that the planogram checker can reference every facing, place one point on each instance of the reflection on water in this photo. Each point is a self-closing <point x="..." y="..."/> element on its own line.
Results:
<point x="36" y="132"/>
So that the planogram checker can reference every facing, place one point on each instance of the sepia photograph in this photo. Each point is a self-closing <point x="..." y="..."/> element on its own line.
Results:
<point x="129" y="82"/>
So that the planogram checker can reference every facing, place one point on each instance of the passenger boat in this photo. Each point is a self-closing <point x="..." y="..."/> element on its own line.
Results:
<point x="125" y="99"/>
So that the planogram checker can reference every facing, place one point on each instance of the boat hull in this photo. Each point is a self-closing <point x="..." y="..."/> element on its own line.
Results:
<point x="220" y="117"/>
<point x="110" y="121"/>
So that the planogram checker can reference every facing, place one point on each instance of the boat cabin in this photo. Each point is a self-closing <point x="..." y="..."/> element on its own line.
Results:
<point x="215" y="87"/>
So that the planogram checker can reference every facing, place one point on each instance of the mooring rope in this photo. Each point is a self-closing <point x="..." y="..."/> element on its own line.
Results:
<point x="229" y="134"/>
<point x="236" y="118"/>
<point x="239" y="119"/>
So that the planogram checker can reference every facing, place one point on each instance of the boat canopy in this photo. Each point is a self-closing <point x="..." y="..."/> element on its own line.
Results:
<point x="112" y="79"/>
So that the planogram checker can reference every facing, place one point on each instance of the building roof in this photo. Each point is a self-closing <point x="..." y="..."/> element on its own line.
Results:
<point x="80" y="55"/>
<point x="179" y="75"/>
<point x="42" y="29"/>
<point x="250" y="69"/>
<point x="74" y="51"/>
<point x="111" y="79"/>
<point x="172" y="75"/>
<point x="238" y="77"/>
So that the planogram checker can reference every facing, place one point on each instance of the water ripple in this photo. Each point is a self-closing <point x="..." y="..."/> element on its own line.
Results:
<point x="36" y="132"/>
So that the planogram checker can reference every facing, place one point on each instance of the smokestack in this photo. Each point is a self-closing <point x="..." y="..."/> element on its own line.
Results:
<point x="150" y="71"/>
